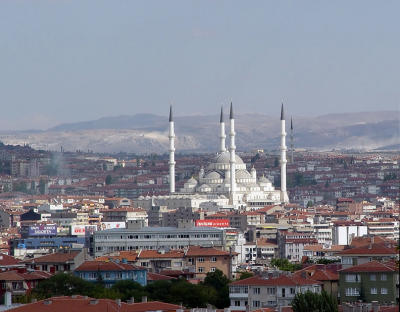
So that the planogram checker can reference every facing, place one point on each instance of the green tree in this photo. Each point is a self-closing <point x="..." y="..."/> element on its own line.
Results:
<point x="108" y="180"/>
<point x="244" y="275"/>
<point x="276" y="162"/>
<point x="314" y="302"/>
<point x="128" y="289"/>
<point x="310" y="203"/>
<point x="285" y="265"/>
<point x="42" y="186"/>
<point x="220" y="283"/>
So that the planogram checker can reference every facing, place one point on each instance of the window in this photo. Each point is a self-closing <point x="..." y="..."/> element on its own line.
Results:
<point x="383" y="277"/>
<point x="213" y="259"/>
<point x="292" y="291"/>
<point x="384" y="291"/>
<point x="200" y="269"/>
<point x="256" y="291"/>
<point x="270" y="291"/>
<point x="374" y="291"/>
<point x="350" y="292"/>
<point x="347" y="260"/>
<point x="237" y="303"/>
<point x="201" y="259"/>
<point x="118" y="275"/>
<point x="372" y="277"/>
<point x="212" y="269"/>
<point x="353" y="278"/>
<point x="256" y="304"/>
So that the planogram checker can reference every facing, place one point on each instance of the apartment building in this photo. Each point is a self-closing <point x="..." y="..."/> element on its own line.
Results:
<point x="255" y="292"/>
<point x="371" y="281"/>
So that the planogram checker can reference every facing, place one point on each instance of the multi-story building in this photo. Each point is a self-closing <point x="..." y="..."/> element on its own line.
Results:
<point x="148" y="238"/>
<point x="255" y="292"/>
<point x="371" y="281"/>
<point x="291" y="244"/>
<point x="111" y="272"/>
<point x="365" y="254"/>
<point x="204" y="260"/>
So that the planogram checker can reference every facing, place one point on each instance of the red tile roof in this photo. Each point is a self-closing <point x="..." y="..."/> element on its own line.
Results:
<point x="158" y="277"/>
<point x="6" y="260"/>
<point x="373" y="249"/>
<point x="58" y="257"/>
<point x="90" y="266"/>
<point x="79" y="304"/>
<point x="194" y="251"/>
<point x="151" y="254"/>
<point x="282" y="280"/>
<point x="373" y="266"/>
<point x="15" y="276"/>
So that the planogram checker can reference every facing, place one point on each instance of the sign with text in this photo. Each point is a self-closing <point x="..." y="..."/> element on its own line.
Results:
<point x="217" y="223"/>
<point x="82" y="229"/>
<point x="43" y="229"/>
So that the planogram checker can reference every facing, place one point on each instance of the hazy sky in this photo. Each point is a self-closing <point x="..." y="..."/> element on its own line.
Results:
<point x="65" y="61"/>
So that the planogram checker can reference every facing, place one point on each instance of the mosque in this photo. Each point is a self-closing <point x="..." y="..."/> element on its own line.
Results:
<point x="225" y="181"/>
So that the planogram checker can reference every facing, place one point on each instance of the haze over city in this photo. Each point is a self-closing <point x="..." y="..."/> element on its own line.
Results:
<point x="69" y="61"/>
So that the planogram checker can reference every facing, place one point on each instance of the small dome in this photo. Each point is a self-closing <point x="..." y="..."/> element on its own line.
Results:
<point x="213" y="175"/>
<point x="243" y="174"/>
<point x="224" y="158"/>
<point x="192" y="181"/>
<point x="263" y="180"/>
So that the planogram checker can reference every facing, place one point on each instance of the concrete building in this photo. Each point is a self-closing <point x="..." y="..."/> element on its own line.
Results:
<point x="155" y="238"/>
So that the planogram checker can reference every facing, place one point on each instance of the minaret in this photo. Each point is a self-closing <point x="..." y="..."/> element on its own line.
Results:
<point x="284" y="197"/>
<point x="171" y="162"/>
<point x="232" y="156"/>
<point x="291" y="141"/>
<point x="222" y="135"/>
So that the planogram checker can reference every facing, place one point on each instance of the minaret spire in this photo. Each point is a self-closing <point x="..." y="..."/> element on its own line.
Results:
<point x="291" y="141"/>
<point x="171" y="162"/>
<point x="232" y="161"/>
<point x="284" y="197"/>
<point x="222" y="135"/>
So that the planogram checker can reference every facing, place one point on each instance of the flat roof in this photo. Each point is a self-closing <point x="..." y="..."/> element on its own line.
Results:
<point x="149" y="229"/>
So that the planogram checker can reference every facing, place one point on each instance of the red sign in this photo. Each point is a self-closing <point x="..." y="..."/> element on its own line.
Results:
<point x="219" y="223"/>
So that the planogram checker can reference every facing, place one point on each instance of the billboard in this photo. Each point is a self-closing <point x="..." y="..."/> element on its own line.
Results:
<point x="112" y="225"/>
<point x="217" y="223"/>
<point x="82" y="229"/>
<point x="43" y="229"/>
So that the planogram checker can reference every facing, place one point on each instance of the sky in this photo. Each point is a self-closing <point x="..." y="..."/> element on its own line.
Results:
<point x="67" y="61"/>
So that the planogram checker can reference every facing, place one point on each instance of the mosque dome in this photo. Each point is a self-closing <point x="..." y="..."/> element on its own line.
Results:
<point x="263" y="180"/>
<point x="192" y="181"/>
<point x="213" y="175"/>
<point x="243" y="174"/>
<point x="224" y="158"/>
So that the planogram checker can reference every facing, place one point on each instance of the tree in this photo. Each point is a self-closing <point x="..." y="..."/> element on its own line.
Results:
<point x="244" y="275"/>
<point x="42" y="186"/>
<point x="220" y="283"/>
<point x="276" y="162"/>
<point x="108" y="179"/>
<point x="310" y="203"/>
<point x="285" y="265"/>
<point x="128" y="289"/>
<point x="314" y="302"/>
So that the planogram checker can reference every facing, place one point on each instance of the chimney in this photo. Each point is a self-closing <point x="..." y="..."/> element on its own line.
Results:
<point x="34" y="300"/>
<point x="144" y="299"/>
<point x="132" y="300"/>
<point x="375" y="306"/>
<point x="94" y="301"/>
<point x="47" y="302"/>
<point x="118" y="302"/>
